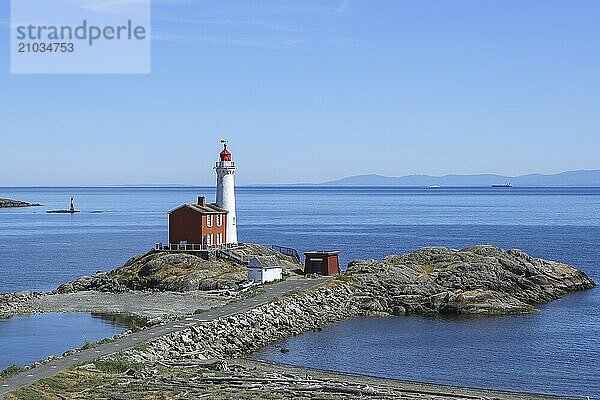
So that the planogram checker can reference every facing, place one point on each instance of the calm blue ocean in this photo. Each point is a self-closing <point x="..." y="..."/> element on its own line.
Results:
<point x="553" y="351"/>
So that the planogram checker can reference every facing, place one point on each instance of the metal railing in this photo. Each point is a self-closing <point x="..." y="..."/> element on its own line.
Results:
<point x="288" y="251"/>
<point x="193" y="247"/>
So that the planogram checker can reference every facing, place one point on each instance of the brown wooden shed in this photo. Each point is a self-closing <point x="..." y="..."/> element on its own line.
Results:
<point x="322" y="262"/>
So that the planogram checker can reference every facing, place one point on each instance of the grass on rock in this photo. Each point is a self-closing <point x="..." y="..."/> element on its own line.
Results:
<point x="10" y="371"/>
<point x="118" y="366"/>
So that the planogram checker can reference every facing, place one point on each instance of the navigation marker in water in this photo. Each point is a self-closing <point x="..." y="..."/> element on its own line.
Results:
<point x="71" y="209"/>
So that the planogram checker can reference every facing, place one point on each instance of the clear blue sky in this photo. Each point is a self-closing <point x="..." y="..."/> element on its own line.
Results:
<point x="308" y="91"/>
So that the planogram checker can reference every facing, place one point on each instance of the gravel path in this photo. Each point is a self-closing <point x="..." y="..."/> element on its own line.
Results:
<point x="141" y="304"/>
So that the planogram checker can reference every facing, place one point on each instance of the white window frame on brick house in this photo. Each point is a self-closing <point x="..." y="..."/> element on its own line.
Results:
<point x="209" y="220"/>
<point x="219" y="219"/>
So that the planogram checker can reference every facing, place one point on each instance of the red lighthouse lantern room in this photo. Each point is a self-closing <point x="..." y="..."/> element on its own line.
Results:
<point x="225" y="154"/>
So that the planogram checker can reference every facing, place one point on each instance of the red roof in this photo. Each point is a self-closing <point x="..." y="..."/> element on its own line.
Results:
<point x="208" y="208"/>
<point x="225" y="154"/>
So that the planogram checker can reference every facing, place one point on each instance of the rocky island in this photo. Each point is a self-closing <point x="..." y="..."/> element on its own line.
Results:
<point x="482" y="280"/>
<point x="8" y="203"/>
<point x="153" y="286"/>
<point x="479" y="280"/>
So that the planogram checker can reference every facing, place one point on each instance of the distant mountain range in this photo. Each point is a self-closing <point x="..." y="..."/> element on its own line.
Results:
<point x="569" y="178"/>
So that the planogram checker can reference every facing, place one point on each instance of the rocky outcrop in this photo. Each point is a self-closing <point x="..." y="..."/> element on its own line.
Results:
<point x="7" y="203"/>
<point x="177" y="272"/>
<point x="100" y="282"/>
<point x="16" y="303"/>
<point x="477" y="280"/>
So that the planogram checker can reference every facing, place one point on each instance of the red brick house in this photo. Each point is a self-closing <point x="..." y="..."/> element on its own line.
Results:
<point x="198" y="224"/>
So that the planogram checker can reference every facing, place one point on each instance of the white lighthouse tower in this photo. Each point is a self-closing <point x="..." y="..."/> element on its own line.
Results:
<point x="226" y="191"/>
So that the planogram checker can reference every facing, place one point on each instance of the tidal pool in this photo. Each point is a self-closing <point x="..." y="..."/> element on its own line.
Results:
<point x="29" y="338"/>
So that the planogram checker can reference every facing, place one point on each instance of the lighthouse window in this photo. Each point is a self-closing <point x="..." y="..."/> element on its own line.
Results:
<point x="219" y="219"/>
<point x="209" y="221"/>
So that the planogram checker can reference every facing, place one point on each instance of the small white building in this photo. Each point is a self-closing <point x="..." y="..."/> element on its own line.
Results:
<point x="262" y="269"/>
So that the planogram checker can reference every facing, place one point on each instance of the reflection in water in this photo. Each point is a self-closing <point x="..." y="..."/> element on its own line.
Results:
<point x="122" y="320"/>
<point x="30" y="338"/>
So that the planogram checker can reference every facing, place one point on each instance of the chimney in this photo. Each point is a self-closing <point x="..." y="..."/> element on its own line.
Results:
<point x="201" y="201"/>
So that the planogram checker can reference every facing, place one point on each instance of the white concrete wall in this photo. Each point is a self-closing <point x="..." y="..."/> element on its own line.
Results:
<point x="262" y="275"/>
<point x="272" y="274"/>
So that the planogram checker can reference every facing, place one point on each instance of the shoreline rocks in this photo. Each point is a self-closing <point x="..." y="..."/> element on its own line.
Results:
<point x="100" y="282"/>
<point x="240" y="334"/>
<point x="8" y="203"/>
<point x="17" y="303"/>
<point x="477" y="280"/>
<point x="482" y="280"/>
